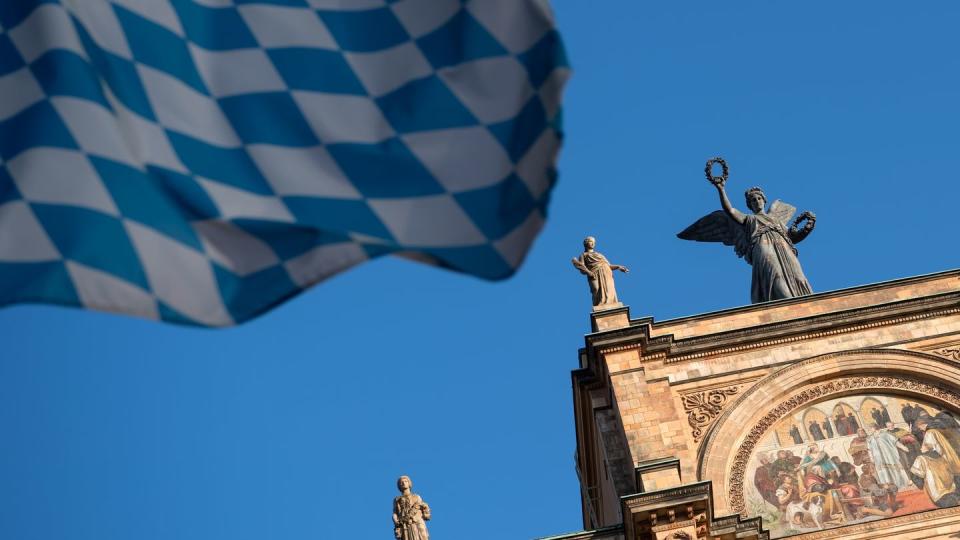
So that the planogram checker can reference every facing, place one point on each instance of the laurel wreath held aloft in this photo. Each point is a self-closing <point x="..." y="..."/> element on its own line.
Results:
<point x="809" y="217"/>
<point x="725" y="171"/>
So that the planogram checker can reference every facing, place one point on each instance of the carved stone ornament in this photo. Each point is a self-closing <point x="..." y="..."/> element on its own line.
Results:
<point x="704" y="407"/>
<point x="951" y="352"/>
<point x="818" y="392"/>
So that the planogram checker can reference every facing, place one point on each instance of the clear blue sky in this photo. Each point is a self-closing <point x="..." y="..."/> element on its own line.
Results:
<point x="296" y="425"/>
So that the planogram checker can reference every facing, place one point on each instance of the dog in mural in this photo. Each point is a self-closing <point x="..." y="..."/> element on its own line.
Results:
<point x="807" y="514"/>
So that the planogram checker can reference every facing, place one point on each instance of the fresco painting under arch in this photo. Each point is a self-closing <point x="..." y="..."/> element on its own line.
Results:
<point x="852" y="460"/>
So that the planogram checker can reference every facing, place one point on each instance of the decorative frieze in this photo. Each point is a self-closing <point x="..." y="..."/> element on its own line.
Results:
<point x="950" y="352"/>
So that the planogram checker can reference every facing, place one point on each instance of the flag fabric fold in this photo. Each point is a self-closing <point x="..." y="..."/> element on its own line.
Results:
<point x="200" y="161"/>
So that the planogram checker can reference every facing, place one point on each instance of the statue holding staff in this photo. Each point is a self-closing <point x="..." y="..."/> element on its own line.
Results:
<point x="763" y="238"/>
<point x="599" y="274"/>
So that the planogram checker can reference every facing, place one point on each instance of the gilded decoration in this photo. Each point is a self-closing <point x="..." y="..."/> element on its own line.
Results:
<point x="848" y="451"/>
<point x="704" y="407"/>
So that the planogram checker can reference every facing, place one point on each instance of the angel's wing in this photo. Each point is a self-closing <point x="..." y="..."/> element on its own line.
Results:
<point x="717" y="227"/>
<point x="782" y="212"/>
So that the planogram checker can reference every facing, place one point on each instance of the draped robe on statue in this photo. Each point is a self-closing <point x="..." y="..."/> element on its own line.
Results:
<point x="409" y="513"/>
<point x="776" y="270"/>
<point x="600" y="278"/>
<point x="763" y="240"/>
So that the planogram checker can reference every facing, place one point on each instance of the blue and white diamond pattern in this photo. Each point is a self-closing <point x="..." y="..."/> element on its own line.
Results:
<point x="200" y="161"/>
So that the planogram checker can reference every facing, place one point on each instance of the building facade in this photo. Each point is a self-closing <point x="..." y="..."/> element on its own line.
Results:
<point x="833" y="415"/>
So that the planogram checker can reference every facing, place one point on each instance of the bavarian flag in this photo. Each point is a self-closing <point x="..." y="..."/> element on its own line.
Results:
<point x="199" y="161"/>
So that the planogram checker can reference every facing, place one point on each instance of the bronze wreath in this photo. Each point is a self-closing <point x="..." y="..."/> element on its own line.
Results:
<point x="708" y="170"/>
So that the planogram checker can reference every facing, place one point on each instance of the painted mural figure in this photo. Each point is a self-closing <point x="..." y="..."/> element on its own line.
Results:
<point x="787" y="493"/>
<point x="885" y="455"/>
<point x="907" y="445"/>
<point x="938" y="464"/>
<point x="795" y="434"/>
<point x="880" y="417"/>
<point x="852" y="424"/>
<point x="912" y="411"/>
<point x="815" y="431"/>
<point x="785" y="465"/>
<point x="841" y="422"/>
<point x="848" y="471"/>
<point x="765" y="481"/>
<point x="858" y="449"/>
<point x="909" y="464"/>
<point x="816" y="465"/>
<point x="880" y="499"/>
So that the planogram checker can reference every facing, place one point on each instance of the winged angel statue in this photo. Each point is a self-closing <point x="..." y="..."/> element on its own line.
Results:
<point x="763" y="238"/>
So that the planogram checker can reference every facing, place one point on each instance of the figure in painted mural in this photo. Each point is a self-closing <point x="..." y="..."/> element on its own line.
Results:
<point x="858" y="449"/>
<point x="785" y="465"/>
<point x="841" y="422"/>
<point x="880" y="499"/>
<point x="907" y="445"/>
<point x="599" y="272"/>
<point x="409" y="513"/>
<point x="911" y="411"/>
<point x="868" y="474"/>
<point x="765" y="481"/>
<point x="815" y="431"/>
<point x="852" y="423"/>
<point x="764" y="238"/>
<point x="816" y="466"/>
<point x="938" y="464"/>
<point x="787" y="493"/>
<point x="885" y="455"/>
<point x="848" y="471"/>
<point x="795" y="434"/>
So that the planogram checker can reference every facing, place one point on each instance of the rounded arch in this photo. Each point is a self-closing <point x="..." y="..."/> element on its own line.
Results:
<point x="729" y="442"/>
<point x="872" y="412"/>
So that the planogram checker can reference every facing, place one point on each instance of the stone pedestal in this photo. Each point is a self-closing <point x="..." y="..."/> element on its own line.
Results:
<point x="610" y="318"/>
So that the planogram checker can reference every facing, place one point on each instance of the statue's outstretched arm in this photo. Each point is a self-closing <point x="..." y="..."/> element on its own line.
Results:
<point x="798" y="233"/>
<point x="728" y="208"/>
<point x="578" y="264"/>
<point x="619" y="267"/>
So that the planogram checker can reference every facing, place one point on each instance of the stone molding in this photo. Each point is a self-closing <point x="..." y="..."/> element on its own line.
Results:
<point x="638" y="335"/>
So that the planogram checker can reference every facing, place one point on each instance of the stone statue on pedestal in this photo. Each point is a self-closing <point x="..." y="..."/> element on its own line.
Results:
<point x="763" y="238"/>
<point x="409" y="513"/>
<point x="599" y="274"/>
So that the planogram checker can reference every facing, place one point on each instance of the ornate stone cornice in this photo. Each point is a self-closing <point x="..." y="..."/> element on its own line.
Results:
<point x="698" y="490"/>
<point x="817" y="392"/>
<point x="638" y="335"/>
